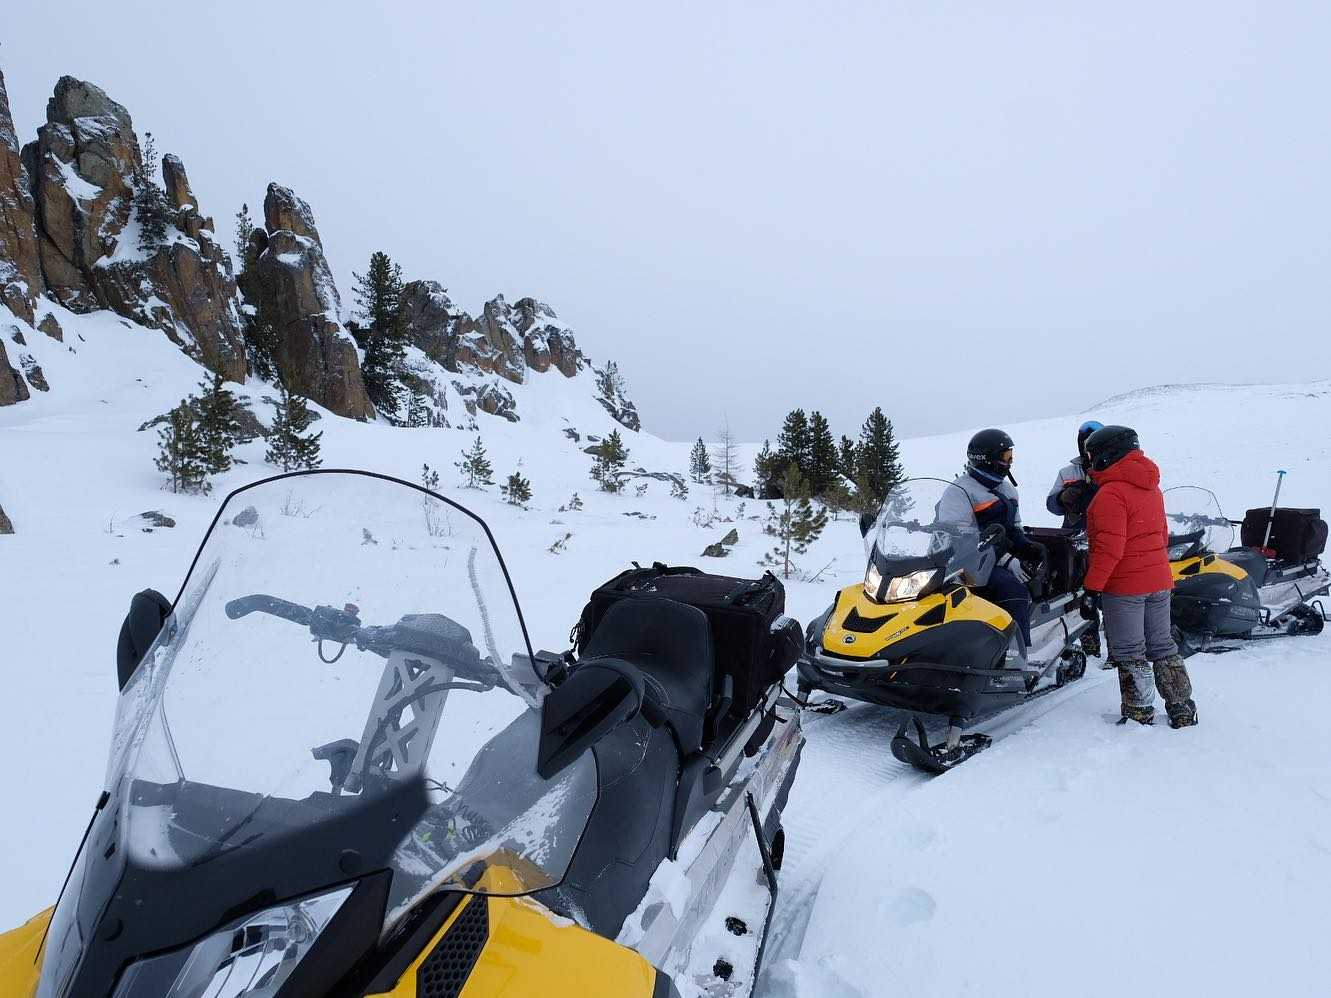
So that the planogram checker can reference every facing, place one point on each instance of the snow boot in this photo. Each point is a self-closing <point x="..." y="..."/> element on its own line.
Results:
<point x="1136" y="690"/>
<point x="1171" y="679"/>
<point x="1090" y="644"/>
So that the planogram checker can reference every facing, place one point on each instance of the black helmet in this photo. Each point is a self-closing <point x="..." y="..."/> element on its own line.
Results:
<point x="991" y="451"/>
<point x="1109" y="444"/>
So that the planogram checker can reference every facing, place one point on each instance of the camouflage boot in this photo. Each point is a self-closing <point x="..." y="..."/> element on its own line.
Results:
<point x="1090" y="643"/>
<point x="1171" y="679"/>
<point x="1138" y="695"/>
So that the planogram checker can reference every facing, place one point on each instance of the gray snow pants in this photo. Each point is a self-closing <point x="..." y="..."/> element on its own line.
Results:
<point x="1137" y="627"/>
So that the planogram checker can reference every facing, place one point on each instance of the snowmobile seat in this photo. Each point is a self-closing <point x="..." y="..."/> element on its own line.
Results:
<point x="671" y="643"/>
<point x="1297" y="535"/>
<point x="1251" y="561"/>
<point x="1064" y="561"/>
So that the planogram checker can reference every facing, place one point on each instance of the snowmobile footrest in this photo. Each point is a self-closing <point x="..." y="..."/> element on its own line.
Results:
<point x="917" y="751"/>
<point x="828" y="706"/>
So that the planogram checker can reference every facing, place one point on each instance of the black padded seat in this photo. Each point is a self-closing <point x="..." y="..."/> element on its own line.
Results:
<point x="1251" y="561"/>
<point x="671" y="643"/>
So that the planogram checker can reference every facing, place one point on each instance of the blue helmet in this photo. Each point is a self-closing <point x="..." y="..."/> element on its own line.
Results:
<point x="1084" y="431"/>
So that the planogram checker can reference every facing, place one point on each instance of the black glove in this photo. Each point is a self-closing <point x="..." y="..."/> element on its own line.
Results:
<point x="1073" y="498"/>
<point x="1090" y="605"/>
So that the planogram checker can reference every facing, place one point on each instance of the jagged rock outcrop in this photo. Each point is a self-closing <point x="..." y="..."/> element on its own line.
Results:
<point x="6" y="525"/>
<point x="20" y="259"/>
<point x="610" y="393"/>
<point x="315" y="355"/>
<point x="82" y="168"/>
<point x="12" y="386"/>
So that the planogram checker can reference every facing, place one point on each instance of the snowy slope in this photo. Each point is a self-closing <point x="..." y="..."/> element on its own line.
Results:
<point x="894" y="884"/>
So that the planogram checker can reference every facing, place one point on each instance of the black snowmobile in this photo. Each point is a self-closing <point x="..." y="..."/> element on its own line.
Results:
<point x="303" y="805"/>
<point x="915" y="635"/>
<point x="1270" y="586"/>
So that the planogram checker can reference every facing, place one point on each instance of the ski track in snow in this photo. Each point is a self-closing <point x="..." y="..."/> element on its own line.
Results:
<point x="854" y="745"/>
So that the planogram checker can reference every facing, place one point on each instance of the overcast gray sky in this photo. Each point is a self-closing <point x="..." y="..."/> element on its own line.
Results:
<point x="967" y="211"/>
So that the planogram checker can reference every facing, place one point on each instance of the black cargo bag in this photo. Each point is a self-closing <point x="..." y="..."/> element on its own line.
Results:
<point x="741" y="612"/>
<point x="1297" y="535"/>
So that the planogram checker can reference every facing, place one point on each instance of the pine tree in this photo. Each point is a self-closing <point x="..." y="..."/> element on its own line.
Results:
<point x="575" y="503"/>
<point x="180" y="456"/>
<point x="381" y="301"/>
<point x="262" y="340"/>
<point x="244" y="230"/>
<point x="291" y="447"/>
<point x="418" y="413"/>
<point x="766" y="471"/>
<point x="610" y="460"/>
<point x="475" y="467"/>
<point x="726" y="456"/>
<point x="700" y="463"/>
<point x="218" y="428"/>
<point x="517" y="490"/>
<point x="794" y="521"/>
<point x="795" y="444"/>
<point x="824" y="458"/>
<point x="153" y="211"/>
<point x="848" y="463"/>
<point x="879" y="460"/>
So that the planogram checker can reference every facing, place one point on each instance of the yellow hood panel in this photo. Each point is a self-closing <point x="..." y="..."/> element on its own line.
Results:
<point x="19" y="968"/>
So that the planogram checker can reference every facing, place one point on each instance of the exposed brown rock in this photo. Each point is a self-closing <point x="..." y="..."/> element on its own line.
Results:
<point x="284" y="212"/>
<point x="177" y="183"/>
<point x="81" y="165"/>
<point x="12" y="386"/>
<point x="20" y="265"/>
<point x="316" y="357"/>
<point x="50" y="325"/>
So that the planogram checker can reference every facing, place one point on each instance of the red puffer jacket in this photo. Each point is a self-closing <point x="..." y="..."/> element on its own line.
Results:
<point x="1129" y="536"/>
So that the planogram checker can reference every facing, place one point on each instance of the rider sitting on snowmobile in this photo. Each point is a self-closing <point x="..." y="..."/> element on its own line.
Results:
<point x="1129" y="572"/>
<point x="988" y="483"/>
<point x="1073" y="489"/>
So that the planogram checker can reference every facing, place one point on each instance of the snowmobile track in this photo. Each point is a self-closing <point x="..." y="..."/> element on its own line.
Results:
<point x="856" y="775"/>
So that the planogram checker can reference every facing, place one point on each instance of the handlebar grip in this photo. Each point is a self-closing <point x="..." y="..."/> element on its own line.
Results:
<point x="243" y="605"/>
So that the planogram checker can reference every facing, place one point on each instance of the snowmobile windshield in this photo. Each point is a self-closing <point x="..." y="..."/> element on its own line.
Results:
<point x="346" y="675"/>
<point x="1196" y="522"/>
<point x="925" y="532"/>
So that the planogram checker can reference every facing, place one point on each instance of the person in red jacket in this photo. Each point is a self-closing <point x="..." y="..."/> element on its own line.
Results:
<point x="1129" y="576"/>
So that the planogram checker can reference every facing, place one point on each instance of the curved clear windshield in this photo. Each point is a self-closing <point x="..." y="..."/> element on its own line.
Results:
<point x="1196" y="520"/>
<point x="923" y="518"/>
<point x="339" y="637"/>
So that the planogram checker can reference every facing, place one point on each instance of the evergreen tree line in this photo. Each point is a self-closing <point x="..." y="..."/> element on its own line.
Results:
<point x="845" y="474"/>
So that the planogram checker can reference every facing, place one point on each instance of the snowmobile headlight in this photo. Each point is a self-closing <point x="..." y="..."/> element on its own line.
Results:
<point x="907" y="587"/>
<point x="873" y="582"/>
<point x="1180" y="550"/>
<point x="254" y="955"/>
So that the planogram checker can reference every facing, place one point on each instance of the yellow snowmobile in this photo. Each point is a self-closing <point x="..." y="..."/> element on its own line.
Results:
<point x="915" y="635"/>
<point x="1272" y="586"/>
<point x="507" y="822"/>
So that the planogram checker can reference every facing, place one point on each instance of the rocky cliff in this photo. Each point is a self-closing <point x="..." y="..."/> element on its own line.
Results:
<point x="315" y="356"/>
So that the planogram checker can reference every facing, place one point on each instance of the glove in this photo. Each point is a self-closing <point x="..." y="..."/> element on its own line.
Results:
<point x="1090" y="604"/>
<point x="1013" y="564"/>
<point x="1073" y="498"/>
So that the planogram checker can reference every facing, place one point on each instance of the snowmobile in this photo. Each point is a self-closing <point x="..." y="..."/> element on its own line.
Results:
<point x="1270" y="586"/>
<point x="914" y="634"/>
<point x="303" y="804"/>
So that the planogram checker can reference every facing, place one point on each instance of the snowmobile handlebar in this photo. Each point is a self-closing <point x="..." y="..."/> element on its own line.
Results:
<point x="328" y="623"/>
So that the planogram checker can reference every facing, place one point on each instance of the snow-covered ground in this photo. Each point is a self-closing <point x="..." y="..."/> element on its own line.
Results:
<point x="1073" y="855"/>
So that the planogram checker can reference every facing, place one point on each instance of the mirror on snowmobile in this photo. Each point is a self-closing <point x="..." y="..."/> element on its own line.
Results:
<point x="597" y="697"/>
<point x="148" y="611"/>
<point x="866" y="523"/>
